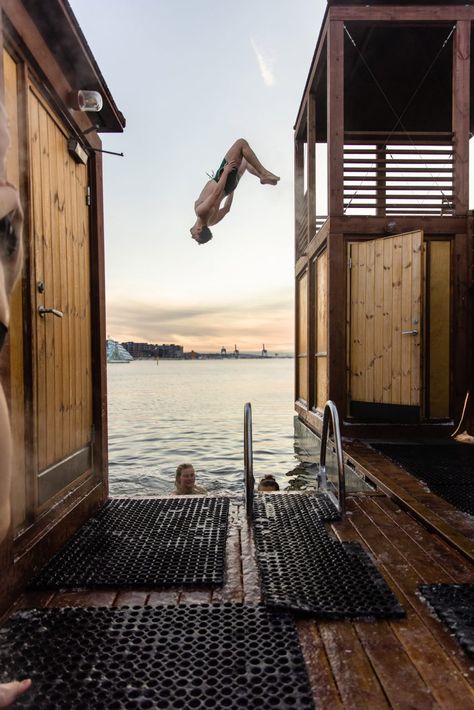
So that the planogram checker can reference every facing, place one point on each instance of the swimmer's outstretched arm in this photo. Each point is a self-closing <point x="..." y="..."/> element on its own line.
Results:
<point x="216" y="193"/>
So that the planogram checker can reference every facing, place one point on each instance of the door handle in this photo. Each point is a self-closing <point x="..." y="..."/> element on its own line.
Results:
<point x="43" y="311"/>
<point x="409" y="332"/>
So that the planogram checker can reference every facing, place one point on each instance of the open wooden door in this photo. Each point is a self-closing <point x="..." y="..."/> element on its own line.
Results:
<point x="385" y="328"/>
<point x="62" y="390"/>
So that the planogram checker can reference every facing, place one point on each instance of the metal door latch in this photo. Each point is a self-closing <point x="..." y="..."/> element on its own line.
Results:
<point x="43" y="311"/>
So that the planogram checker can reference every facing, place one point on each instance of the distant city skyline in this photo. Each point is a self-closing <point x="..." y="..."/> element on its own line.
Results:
<point x="230" y="349"/>
<point x="190" y="78"/>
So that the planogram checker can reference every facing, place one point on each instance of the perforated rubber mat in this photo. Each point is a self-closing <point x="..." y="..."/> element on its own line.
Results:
<point x="304" y="569"/>
<point x="447" y="469"/>
<point x="144" y="542"/>
<point x="198" y="656"/>
<point x="454" y="605"/>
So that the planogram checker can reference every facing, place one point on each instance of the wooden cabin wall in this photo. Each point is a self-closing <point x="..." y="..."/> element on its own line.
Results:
<point x="422" y="377"/>
<point x="53" y="369"/>
<point x="439" y="303"/>
<point x="62" y="397"/>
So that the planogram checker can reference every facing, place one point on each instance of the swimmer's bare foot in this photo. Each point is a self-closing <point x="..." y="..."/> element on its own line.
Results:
<point x="11" y="691"/>
<point x="269" y="179"/>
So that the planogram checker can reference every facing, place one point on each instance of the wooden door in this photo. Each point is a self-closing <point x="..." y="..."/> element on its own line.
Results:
<point x="62" y="396"/>
<point x="385" y="328"/>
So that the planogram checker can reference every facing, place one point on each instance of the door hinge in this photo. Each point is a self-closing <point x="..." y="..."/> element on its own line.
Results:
<point x="88" y="196"/>
<point x="349" y="263"/>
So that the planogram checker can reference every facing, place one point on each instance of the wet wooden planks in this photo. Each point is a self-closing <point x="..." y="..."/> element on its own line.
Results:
<point x="241" y="581"/>
<point x="440" y="515"/>
<point x="409" y="663"/>
<point x="404" y="663"/>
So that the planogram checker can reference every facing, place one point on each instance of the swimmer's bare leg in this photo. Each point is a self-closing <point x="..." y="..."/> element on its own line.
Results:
<point x="241" y="150"/>
<point x="9" y="692"/>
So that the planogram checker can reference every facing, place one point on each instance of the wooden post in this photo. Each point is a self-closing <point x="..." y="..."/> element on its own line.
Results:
<point x="311" y="167"/>
<point x="335" y="118"/>
<point x="461" y="101"/>
<point x="99" y="384"/>
<point x="337" y="376"/>
<point x="299" y="193"/>
<point x="381" y="179"/>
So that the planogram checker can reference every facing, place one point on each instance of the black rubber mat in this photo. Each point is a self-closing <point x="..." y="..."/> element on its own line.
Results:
<point x="447" y="469"/>
<point x="304" y="569"/>
<point x="197" y="656"/>
<point x="454" y="605"/>
<point x="144" y="542"/>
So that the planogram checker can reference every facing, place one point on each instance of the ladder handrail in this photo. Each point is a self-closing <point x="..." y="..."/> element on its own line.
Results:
<point x="330" y="412"/>
<point x="249" y="480"/>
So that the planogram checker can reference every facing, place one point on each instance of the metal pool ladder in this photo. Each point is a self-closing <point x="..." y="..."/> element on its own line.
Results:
<point x="249" y="480"/>
<point x="330" y="414"/>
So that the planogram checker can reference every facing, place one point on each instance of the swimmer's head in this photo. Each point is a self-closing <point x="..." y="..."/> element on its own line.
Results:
<point x="185" y="476"/>
<point x="268" y="484"/>
<point x="202" y="234"/>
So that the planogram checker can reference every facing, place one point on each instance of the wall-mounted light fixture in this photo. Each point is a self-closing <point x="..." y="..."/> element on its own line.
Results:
<point x="76" y="151"/>
<point x="83" y="100"/>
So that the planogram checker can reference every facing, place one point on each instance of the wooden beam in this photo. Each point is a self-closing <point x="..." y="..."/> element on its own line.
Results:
<point x="310" y="333"/>
<point x="461" y="323"/>
<point x="299" y="189"/>
<point x="460" y="113"/>
<point x="335" y="119"/>
<point x="401" y="13"/>
<point x="318" y="56"/>
<point x="311" y="167"/>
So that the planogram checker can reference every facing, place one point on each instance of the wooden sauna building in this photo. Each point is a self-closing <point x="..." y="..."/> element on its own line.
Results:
<point x="53" y="364"/>
<point x="384" y="233"/>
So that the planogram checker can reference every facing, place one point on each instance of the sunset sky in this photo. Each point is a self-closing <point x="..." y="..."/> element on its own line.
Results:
<point x="191" y="77"/>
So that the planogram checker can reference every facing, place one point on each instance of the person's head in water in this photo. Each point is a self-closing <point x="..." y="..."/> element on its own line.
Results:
<point x="201" y="233"/>
<point x="185" y="478"/>
<point x="268" y="484"/>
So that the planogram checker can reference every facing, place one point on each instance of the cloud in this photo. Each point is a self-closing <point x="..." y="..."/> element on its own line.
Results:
<point x="265" y="65"/>
<point x="209" y="326"/>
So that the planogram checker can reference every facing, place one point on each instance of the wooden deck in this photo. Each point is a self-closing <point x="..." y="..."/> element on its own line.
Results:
<point x="410" y="663"/>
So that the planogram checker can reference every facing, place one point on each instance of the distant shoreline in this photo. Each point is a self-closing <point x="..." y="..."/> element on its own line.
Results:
<point x="204" y="356"/>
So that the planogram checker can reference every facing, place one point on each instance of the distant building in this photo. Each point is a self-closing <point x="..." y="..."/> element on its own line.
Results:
<point x="116" y="352"/>
<point x="153" y="351"/>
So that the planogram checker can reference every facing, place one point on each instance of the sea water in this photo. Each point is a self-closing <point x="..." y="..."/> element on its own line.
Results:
<point x="175" y="411"/>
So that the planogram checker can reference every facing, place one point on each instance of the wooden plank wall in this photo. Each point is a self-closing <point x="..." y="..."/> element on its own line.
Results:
<point x="439" y="269"/>
<point x="60" y="227"/>
<point x="321" y="360"/>
<point x="302" y="338"/>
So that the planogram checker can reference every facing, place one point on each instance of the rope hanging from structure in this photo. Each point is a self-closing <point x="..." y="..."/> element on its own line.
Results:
<point x="400" y="116"/>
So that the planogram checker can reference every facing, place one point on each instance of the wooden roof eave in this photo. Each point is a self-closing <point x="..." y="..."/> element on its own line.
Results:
<point x="402" y="13"/>
<point x="58" y="25"/>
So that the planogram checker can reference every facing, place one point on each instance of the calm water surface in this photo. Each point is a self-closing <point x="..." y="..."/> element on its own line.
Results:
<point x="162" y="415"/>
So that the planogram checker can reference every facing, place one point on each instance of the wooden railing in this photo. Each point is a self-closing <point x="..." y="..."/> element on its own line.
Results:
<point x="398" y="174"/>
<point x="394" y="174"/>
